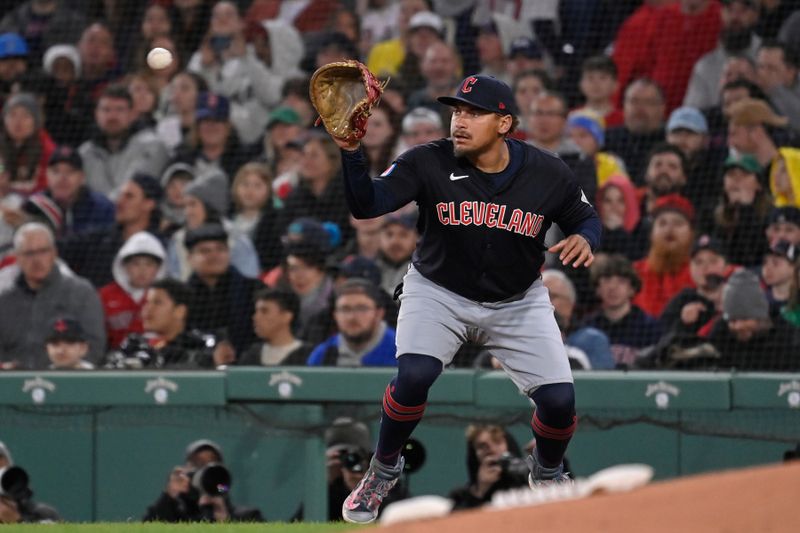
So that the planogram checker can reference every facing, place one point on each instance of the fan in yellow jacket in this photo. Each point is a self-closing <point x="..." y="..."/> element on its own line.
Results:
<point x="784" y="177"/>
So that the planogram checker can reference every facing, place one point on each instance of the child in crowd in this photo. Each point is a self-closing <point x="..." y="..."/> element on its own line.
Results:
<point x="138" y="264"/>
<point x="587" y="129"/>
<point x="251" y="192"/>
<point x="174" y="181"/>
<point x="67" y="346"/>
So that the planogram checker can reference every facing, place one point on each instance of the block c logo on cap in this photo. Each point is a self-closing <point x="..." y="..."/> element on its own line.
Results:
<point x="468" y="83"/>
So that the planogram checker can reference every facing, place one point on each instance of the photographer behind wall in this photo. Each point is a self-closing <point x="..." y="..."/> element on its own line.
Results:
<point x="493" y="464"/>
<point x="198" y="491"/>
<point x="347" y="457"/>
<point x="17" y="505"/>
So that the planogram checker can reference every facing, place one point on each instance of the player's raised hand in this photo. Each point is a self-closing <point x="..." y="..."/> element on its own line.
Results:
<point x="574" y="249"/>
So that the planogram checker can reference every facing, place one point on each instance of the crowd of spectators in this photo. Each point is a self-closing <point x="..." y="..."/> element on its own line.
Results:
<point x="195" y="217"/>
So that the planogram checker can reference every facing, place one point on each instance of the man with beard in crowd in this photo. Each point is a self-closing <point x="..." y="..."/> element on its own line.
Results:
<point x="739" y="19"/>
<point x="665" y="174"/>
<point x="364" y="339"/>
<point x="118" y="151"/>
<point x="665" y="269"/>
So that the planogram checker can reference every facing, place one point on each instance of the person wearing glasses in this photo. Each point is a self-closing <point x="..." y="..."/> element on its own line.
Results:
<point x="364" y="339"/>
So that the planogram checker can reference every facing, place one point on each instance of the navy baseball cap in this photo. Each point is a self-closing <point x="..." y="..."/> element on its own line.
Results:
<point x="66" y="154"/>
<point x="64" y="329"/>
<point x="784" y="249"/>
<point x="786" y="214"/>
<point x="407" y="220"/>
<point x="212" y="106"/>
<point x="484" y="92"/>
<point x="356" y="266"/>
<point x="526" y="47"/>
<point x="707" y="242"/>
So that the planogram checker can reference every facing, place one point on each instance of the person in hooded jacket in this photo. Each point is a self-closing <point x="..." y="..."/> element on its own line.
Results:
<point x="624" y="231"/>
<point x="137" y="265"/>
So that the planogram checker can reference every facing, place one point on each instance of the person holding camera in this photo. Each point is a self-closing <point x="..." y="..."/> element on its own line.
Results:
<point x="17" y="505"/>
<point x="493" y="463"/>
<point x="347" y="459"/>
<point x="694" y="309"/>
<point x="198" y="490"/>
<point x="166" y="342"/>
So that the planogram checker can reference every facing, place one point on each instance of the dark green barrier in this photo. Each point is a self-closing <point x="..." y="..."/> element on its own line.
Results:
<point x="99" y="445"/>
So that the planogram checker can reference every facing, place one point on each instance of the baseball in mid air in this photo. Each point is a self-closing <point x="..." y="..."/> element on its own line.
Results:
<point x="159" y="58"/>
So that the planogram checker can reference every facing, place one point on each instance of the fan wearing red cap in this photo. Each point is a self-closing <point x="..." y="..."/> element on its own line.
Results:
<point x="665" y="270"/>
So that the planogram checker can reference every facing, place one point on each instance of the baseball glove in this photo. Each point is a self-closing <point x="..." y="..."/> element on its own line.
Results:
<point x="343" y="94"/>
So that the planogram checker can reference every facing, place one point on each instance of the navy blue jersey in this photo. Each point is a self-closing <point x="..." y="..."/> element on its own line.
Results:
<point x="482" y="243"/>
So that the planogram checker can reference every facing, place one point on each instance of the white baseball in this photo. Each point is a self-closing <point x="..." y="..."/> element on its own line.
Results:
<point x="159" y="58"/>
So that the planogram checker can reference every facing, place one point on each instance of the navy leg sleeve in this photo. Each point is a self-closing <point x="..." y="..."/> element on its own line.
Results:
<point x="404" y="403"/>
<point x="554" y="421"/>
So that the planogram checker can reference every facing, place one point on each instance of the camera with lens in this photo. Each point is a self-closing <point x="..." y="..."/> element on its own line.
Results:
<point x="714" y="281"/>
<point x="205" y="344"/>
<point x="353" y="459"/>
<point x="135" y="353"/>
<point x="513" y="469"/>
<point x="14" y="483"/>
<point x="212" y="480"/>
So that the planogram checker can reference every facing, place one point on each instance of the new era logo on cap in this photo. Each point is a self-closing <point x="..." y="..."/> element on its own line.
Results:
<point x="484" y="92"/>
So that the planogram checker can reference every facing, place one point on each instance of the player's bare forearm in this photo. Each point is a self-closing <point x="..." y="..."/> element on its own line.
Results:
<point x="574" y="249"/>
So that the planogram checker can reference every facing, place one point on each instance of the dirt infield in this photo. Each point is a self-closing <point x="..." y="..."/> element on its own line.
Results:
<point x="754" y="500"/>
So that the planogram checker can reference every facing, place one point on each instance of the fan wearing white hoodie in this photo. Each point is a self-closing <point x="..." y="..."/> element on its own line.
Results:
<point x="139" y="263"/>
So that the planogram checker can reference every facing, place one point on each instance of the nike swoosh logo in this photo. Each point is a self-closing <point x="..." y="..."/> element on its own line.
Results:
<point x="456" y="178"/>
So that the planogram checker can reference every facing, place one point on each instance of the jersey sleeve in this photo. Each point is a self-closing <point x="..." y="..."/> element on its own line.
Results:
<point x="371" y="197"/>
<point x="576" y="215"/>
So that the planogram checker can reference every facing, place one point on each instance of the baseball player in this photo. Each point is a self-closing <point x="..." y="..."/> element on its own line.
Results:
<point x="486" y="202"/>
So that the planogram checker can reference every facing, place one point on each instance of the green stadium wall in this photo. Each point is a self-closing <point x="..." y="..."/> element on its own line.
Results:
<point x="99" y="445"/>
